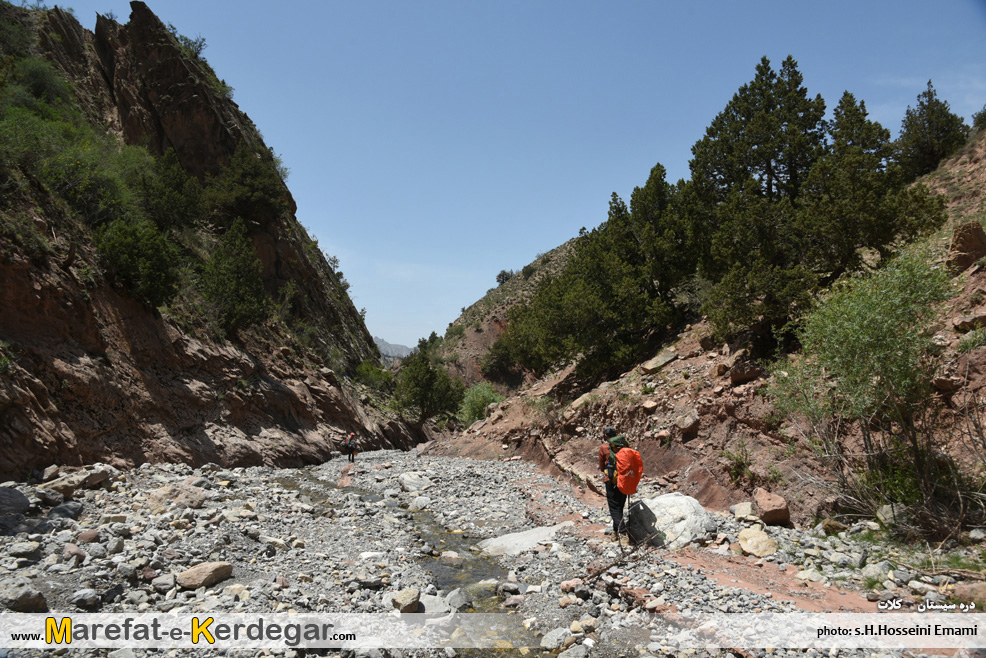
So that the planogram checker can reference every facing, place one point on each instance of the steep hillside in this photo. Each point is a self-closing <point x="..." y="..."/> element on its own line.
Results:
<point x="469" y="337"/>
<point x="90" y="371"/>
<point x="698" y="412"/>
<point x="962" y="179"/>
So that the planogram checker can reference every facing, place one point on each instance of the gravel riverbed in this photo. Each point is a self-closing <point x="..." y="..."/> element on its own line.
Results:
<point x="400" y="532"/>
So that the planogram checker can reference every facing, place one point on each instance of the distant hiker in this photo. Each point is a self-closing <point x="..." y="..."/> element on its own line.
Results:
<point x="622" y="467"/>
<point x="351" y="447"/>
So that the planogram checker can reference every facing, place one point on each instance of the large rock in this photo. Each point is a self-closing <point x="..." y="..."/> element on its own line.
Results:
<point x="13" y="501"/>
<point x="407" y="600"/>
<point x="965" y="323"/>
<point x="180" y="495"/>
<point x="413" y="482"/>
<point x="893" y="514"/>
<point x="67" y="484"/>
<point x="431" y="604"/>
<point x="204" y="575"/>
<point x="20" y="595"/>
<point x="654" y="365"/>
<point x="743" y="369"/>
<point x="968" y="246"/>
<point x="771" y="508"/>
<point x="673" y="520"/>
<point x="972" y="592"/>
<point x="755" y="541"/>
<point x="688" y="422"/>
<point x="419" y="503"/>
<point x="517" y="542"/>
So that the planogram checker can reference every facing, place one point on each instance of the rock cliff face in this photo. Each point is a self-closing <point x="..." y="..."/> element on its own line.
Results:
<point x="91" y="374"/>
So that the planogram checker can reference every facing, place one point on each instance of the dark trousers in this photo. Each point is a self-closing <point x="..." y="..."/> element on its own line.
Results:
<point x="352" y="455"/>
<point x="617" y="500"/>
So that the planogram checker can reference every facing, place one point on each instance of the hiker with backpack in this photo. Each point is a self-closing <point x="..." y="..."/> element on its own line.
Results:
<point x="622" y="467"/>
<point x="351" y="447"/>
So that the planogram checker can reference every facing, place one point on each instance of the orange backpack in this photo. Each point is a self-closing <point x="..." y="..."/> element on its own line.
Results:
<point x="625" y="465"/>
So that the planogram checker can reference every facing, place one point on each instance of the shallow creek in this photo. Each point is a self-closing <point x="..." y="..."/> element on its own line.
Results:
<point x="475" y="573"/>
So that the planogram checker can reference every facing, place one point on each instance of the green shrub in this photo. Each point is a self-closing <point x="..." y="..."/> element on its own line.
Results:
<point x="6" y="359"/>
<point x="972" y="340"/>
<point x="423" y="388"/>
<point x="16" y="38"/>
<point x="142" y="259"/>
<point x="866" y="367"/>
<point x="455" y="331"/>
<point x="475" y="402"/>
<point x="504" y="276"/>
<point x="19" y="228"/>
<point x="249" y="188"/>
<point x="27" y="139"/>
<point x="373" y="375"/>
<point x="979" y="119"/>
<point x="232" y="282"/>
<point x="738" y="462"/>
<point x="168" y="195"/>
<point x="42" y="81"/>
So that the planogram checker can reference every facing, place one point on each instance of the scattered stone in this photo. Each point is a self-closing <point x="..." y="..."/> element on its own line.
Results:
<point x="419" y="503"/>
<point x="70" y="510"/>
<point x="66" y="485"/>
<point x="688" y="422"/>
<point x="576" y="651"/>
<point x="25" y="549"/>
<point x="87" y="599"/>
<point x="88" y="537"/>
<point x="554" y="639"/>
<point x="833" y="527"/>
<point x="965" y="323"/>
<point x="742" y="369"/>
<point x="407" y="600"/>
<point x="518" y="542"/>
<point x="20" y="595"/>
<point x="771" y="508"/>
<point x="968" y="246"/>
<point x="459" y="599"/>
<point x="164" y="583"/>
<point x="891" y="515"/>
<point x="755" y="541"/>
<point x="13" y="501"/>
<point x="413" y="482"/>
<point x="654" y="365"/>
<point x="571" y="585"/>
<point x="205" y="575"/>
<point x="971" y="592"/>
<point x="178" y="495"/>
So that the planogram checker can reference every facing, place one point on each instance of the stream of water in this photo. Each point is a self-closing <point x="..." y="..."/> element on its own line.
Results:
<point x="475" y="573"/>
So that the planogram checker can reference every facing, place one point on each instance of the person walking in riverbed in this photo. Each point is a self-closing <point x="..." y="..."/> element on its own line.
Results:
<point x="622" y="469"/>
<point x="351" y="447"/>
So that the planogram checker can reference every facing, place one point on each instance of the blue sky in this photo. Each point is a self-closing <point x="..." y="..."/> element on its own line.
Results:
<point x="434" y="143"/>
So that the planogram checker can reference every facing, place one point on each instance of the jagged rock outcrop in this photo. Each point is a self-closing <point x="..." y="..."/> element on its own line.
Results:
<point x="92" y="374"/>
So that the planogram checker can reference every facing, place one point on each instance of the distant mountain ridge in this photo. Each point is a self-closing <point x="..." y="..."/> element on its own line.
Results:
<point x="389" y="349"/>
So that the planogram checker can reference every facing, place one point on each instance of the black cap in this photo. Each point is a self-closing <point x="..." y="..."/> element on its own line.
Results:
<point x="609" y="432"/>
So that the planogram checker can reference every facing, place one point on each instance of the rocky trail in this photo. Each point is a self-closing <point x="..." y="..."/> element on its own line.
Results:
<point x="430" y="534"/>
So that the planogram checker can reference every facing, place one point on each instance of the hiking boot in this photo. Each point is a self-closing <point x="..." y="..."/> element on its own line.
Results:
<point x="625" y="541"/>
